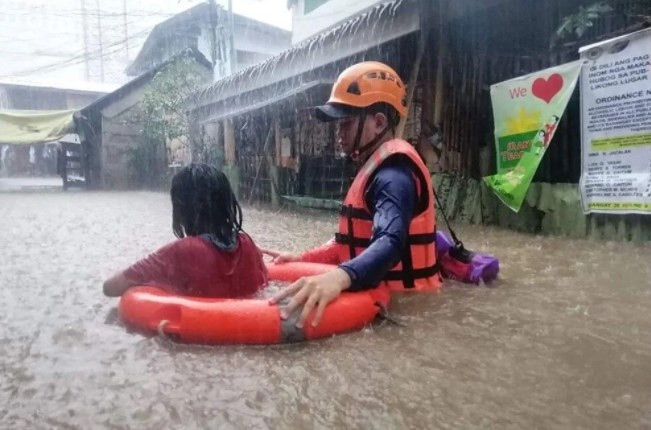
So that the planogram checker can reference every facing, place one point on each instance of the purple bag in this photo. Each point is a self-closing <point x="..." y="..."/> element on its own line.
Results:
<point x="462" y="265"/>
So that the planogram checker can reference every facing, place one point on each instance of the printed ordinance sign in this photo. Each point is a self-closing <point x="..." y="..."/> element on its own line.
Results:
<point x="616" y="125"/>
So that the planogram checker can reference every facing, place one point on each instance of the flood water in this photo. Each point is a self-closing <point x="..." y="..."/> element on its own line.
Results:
<point x="561" y="341"/>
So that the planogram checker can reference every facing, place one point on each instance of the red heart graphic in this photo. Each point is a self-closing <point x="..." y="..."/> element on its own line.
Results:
<point x="546" y="89"/>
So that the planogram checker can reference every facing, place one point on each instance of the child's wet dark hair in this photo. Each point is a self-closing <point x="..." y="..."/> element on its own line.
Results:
<point x="203" y="203"/>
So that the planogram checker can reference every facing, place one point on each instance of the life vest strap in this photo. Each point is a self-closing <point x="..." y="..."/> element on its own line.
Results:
<point x="349" y="223"/>
<point x="407" y="269"/>
<point x="355" y="213"/>
<point x="399" y="275"/>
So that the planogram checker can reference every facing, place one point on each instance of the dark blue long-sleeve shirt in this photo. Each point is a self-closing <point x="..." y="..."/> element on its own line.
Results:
<point x="391" y="197"/>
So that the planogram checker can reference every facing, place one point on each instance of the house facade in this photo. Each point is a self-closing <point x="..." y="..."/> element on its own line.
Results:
<point x="448" y="53"/>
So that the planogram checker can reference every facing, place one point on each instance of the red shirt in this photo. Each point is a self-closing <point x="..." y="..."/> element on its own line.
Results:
<point x="195" y="266"/>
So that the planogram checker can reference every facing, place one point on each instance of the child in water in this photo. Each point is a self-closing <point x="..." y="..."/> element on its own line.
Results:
<point x="212" y="257"/>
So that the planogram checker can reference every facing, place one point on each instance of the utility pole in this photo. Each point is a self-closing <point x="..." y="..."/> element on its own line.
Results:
<point x="213" y="34"/>
<point x="101" y="45"/>
<point x="233" y="54"/>
<point x="126" y="28"/>
<point x="84" y="27"/>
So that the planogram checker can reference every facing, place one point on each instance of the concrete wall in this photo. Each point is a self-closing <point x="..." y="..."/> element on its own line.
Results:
<point x="119" y="133"/>
<point x="258" y="37"/>
<point x="552" y="209"/>
<point x="117" y="139"/>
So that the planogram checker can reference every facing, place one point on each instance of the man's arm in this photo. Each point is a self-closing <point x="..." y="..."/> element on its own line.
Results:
<point x="392" y="194"/>
<point x="393" y="208"/>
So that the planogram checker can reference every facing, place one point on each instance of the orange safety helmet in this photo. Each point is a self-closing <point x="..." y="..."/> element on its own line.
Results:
<point x="360" y="86"/>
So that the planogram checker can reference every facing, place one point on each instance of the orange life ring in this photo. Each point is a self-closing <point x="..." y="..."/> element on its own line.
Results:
<point x="246" y="321"/>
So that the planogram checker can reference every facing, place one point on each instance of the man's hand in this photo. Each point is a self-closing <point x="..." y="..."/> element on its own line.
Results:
<point x="313" y="291"/>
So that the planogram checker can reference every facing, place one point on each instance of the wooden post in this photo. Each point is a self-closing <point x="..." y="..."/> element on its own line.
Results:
<point x="229" y="143"/>
<point x="439" y="84"/>
<point x="440" y="78"/>
<point x="413" y="76"/>
<point x="230" y="161"/>
<point x="274" y="166"/>
<point x="213" y="141"/>
<point x="439" y="87"/>
<point x="278" y="140"/>
<point x="411" y="86"/>
<point x="324" y="177"/>
<point x="263" y="158"/>
<point x="84" y="155"/>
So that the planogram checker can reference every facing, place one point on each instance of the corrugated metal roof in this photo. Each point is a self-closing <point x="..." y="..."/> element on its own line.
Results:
<point x="232" y="110"/>
<point x="71" y="85"/>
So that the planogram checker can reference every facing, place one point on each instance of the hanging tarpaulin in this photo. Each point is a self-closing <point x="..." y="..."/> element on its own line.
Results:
<point x="616" y="125"/>
<point x="527" y="111"/>
<point x="35" y="126"/>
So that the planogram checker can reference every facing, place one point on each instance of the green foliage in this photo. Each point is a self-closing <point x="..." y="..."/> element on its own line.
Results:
<point x="576" y="24"/>
<point x="163" y="116"/>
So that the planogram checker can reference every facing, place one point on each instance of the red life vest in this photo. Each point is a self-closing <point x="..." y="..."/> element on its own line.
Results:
<point x="418" y="269"/>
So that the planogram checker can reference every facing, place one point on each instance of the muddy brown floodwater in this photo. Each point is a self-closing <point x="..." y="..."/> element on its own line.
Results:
<point x="561" y="341"/>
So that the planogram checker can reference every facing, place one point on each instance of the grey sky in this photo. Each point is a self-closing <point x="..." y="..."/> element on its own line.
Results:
<point x="43" y="39"/>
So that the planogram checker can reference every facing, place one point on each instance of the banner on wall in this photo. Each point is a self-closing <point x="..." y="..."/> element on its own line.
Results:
<point x="527" y="111"/>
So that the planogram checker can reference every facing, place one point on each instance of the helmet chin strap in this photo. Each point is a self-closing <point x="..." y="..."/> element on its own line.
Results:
<point x="359" y="151"/>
